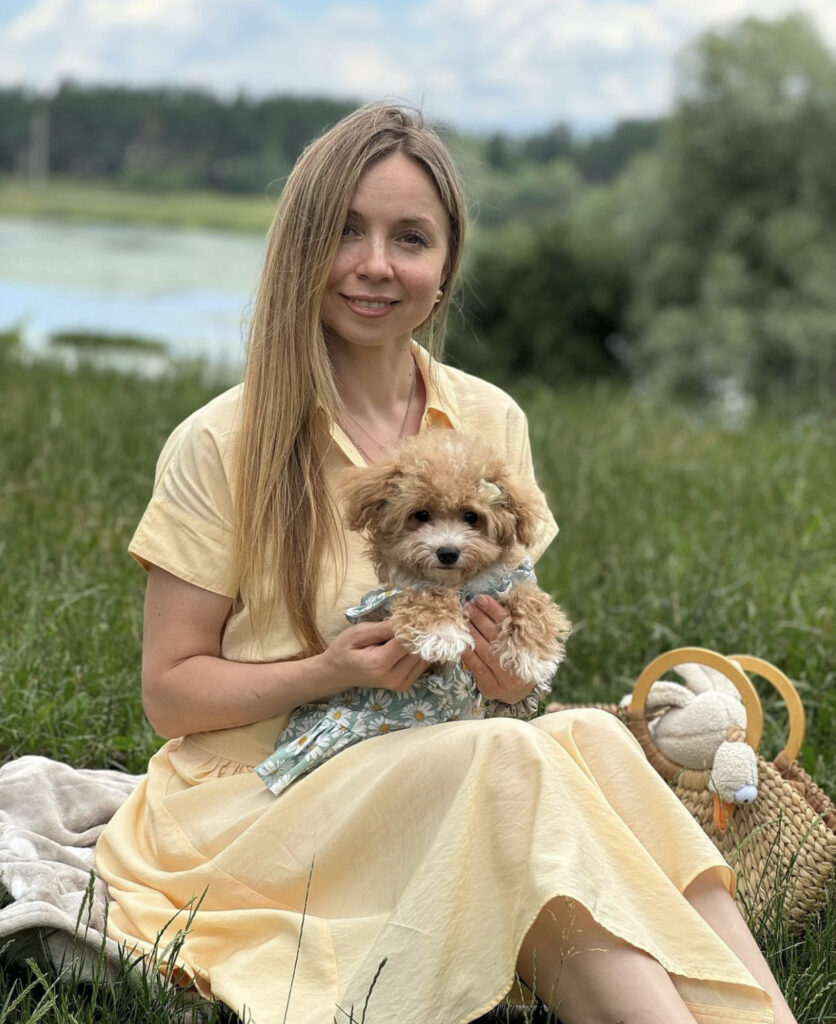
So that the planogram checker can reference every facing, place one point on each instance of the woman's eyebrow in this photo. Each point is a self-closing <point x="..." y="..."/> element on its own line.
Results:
<point x="416" y="220"/>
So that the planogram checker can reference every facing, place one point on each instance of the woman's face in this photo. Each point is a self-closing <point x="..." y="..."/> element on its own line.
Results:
<point x="391" y="259"/>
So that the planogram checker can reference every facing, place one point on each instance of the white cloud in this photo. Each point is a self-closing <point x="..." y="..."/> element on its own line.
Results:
<point x="478" y="63"/>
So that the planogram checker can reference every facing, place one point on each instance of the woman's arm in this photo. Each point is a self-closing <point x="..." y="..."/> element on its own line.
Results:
<point x="188" y="687"/>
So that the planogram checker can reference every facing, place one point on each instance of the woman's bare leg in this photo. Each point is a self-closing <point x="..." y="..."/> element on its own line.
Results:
<point x="589" y="976"/>
<point x="710" y="898"/>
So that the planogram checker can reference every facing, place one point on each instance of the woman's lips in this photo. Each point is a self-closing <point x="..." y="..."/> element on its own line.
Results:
<point x="370" y="307"/>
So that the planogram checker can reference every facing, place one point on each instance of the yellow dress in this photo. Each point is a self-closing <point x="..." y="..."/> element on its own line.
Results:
<point x="430" y="849"/>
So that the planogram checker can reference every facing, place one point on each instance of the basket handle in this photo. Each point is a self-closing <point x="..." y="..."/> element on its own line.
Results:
<point x="702" y="656"/>
<point x="759" y="667"/>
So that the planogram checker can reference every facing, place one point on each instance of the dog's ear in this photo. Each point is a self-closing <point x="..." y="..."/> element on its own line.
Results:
<point x="528" y="513"/>
<point x="519" y="507"/>
<point x="364" y="493"/>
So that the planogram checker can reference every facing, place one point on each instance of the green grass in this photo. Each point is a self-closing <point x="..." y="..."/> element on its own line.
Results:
<point x="77" y="454"/>
<point x="72" y="199"/>
<point x="674" y="530"/>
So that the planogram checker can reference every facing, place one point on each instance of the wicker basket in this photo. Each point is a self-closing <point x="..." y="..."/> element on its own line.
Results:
<point x="782" y="846"/>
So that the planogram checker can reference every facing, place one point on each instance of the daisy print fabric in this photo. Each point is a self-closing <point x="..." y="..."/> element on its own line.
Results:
<point x="445" y="693"/>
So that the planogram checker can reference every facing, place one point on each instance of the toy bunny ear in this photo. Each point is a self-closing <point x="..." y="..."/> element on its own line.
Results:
<point x="665" y="694"/>
<point x="702" y="679"/>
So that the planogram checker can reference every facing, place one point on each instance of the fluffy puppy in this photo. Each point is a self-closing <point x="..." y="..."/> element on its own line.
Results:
<point x="446" y="519"/>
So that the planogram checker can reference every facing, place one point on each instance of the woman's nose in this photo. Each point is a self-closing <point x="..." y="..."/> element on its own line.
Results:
<point x="374" y="259"/>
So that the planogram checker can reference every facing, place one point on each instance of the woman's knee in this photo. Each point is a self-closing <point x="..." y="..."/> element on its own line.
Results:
<point x="595" y="723"/>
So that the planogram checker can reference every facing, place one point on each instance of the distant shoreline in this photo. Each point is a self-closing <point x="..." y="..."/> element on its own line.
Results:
<point x="71" y="199"/>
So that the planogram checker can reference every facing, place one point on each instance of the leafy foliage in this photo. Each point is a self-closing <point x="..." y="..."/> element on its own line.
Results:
<point x="166" y="138"/>
<point x="545" y="301"/>
<point x="706" y="268"/>
<point x="740" y="258"/>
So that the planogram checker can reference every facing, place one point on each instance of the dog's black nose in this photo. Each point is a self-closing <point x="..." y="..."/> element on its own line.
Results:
<point x="447" y="556"/>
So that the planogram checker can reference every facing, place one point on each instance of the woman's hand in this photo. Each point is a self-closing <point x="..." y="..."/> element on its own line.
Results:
<point x="494" y="682"/>
<point x="369" y="655"/>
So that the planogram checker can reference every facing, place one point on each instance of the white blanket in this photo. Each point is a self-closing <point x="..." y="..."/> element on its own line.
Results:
<point x="50" y="818"/>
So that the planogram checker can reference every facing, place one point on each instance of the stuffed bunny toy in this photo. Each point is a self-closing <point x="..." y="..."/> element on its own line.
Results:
<point x="702" y="725"/>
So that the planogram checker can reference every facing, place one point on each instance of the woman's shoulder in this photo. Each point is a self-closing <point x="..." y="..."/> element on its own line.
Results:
<point x="220" y="416"/>
<point x="211" y="430"/>
<point x="475" y="399"/>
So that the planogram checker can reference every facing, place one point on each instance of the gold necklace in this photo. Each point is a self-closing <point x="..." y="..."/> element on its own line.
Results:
<point x="368" y="433"/>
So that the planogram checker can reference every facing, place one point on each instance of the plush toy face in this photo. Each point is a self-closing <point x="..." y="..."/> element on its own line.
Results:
<point x="442" y="510"/>
<point x="734" y="773"/>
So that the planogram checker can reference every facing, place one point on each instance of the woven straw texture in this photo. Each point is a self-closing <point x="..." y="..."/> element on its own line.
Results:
<point x="782" y="846"/>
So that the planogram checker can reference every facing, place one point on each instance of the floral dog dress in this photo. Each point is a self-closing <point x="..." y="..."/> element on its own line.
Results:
<point x="444" y="693"/>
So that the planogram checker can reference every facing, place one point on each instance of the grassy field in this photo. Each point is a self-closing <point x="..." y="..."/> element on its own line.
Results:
<point x="675" y="529"/>
<point x="72" y="199"/>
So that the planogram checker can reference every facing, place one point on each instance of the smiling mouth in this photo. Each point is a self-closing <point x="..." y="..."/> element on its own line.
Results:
<point x="373" y="304"/>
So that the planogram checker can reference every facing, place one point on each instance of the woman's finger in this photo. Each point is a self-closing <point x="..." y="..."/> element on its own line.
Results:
<point x="486" y="615"/>
<point x="415" y="670"/>
<point x="483" y="641"/>
<point x="492" y="680"/>
<point x="473" y="661"/>
<point x="491" y="608"/>
<point x="364" y="634"/>
<point x="486" y="673"/>
<point x="405" y="668"/>
<point x="482" y="625"/>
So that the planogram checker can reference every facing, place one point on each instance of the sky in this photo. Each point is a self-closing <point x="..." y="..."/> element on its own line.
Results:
<point x="481" y="65"/>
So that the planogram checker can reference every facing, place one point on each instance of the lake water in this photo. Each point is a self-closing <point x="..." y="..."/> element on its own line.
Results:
<point x="191" y="289"/>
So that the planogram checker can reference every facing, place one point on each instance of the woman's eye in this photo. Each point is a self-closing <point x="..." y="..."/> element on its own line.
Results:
<point x="422" y="515"/>
<point x="347" y="230"/>
<point x="413" y="238"/>
<point x="471" y="518"/>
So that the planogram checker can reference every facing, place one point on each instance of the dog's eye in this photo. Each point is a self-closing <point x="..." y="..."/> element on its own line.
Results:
<point x="422" y="515"/>
<point x="471" y="518"/>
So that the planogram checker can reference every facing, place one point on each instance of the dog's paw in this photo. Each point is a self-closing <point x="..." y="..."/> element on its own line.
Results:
<point x="526" y="666"/>
<point x="446" y="643"/>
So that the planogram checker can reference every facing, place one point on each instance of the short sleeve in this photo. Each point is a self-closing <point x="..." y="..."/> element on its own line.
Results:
<point x="519" y="453"/>
<point x="187" y="526"/>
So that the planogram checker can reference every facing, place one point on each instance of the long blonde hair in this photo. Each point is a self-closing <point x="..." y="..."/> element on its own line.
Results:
<point x="284" y="520"/>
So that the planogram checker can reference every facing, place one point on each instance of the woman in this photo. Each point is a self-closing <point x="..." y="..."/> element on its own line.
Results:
<point x="456" y="854"/>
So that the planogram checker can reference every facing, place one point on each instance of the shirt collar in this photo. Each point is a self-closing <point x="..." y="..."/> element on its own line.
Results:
<point x="442" y="408"/>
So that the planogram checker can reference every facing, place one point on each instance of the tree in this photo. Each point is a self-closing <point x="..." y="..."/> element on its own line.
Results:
<point x="602" y="157"/>
<point x="166" y="137"/>
<point x="545" y="302"/>
<point x="16" y="107"/>
<point x="736" y="266"/>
